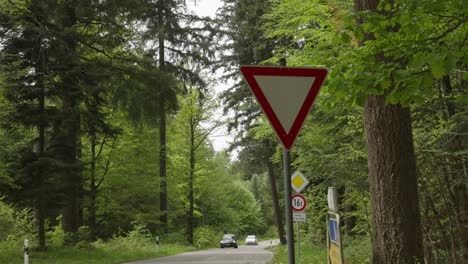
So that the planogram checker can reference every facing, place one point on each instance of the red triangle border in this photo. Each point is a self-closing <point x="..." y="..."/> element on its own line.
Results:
<point x="319" y="73"/>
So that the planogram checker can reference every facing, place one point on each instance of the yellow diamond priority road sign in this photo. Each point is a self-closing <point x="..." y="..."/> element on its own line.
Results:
<point x="298" y="181"/>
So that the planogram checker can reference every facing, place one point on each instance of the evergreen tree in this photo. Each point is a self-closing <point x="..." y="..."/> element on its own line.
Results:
<point x="242" y="26"/>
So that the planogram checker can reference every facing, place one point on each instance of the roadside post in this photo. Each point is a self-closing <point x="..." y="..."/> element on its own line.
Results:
<point x="157" y="244"/>
<point x="334" y="246"/>
<point x="26" y="251"/>
<point x="299" y="203"/>
<point x="199" y="243"/>
<point x="285" y="95"/>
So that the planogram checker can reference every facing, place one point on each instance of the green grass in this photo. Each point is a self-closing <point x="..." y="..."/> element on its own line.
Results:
<point x="97" y="253"/>
<point x="105" y="254"/>
<point x="356" y="251"/>
<point x="309" y="255"/>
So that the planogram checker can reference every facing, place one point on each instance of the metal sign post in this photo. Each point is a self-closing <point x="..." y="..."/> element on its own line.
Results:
<point x="298" y="242"/>
<point x="286" y="94"/>
<point x="288" y="204"/>
<point x="334" y="244"/>
<point x="299" y="203"/>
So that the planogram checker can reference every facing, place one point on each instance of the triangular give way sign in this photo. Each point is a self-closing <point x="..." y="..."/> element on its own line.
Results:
<point x="286" y="95"/>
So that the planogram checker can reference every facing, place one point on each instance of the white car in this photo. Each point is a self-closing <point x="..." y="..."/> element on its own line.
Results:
<point x="251" y="240"/>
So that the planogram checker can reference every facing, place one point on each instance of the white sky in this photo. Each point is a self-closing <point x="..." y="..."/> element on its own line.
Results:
<point x="204" y="7"/>
<point x="220" y="137"/>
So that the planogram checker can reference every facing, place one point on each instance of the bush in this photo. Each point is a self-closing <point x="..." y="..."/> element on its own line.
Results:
<point x="178" y="237"/>
<point x="208" y="237"/>
<point x="271" y="232"/>
<point x="14" y="223"/>
<point x="15" y="226"/>
<point x="56" y="237"/>
<point x="357" y="250"/>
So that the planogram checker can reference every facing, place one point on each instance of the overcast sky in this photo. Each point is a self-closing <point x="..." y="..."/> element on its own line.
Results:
<point x="204" y="7"/>
<point x="220" y="138"/>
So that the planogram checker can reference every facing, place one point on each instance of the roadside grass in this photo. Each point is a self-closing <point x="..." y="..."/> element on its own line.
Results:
<point x="93" y="253"/>
<point x="105" y="253"/>
<point x="355" y="251"/>
<point x="309" y="255"/>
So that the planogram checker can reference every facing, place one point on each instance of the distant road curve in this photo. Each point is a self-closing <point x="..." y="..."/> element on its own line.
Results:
<point x="241" y="255"/>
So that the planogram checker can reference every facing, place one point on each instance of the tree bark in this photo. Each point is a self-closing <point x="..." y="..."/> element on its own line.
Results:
<point x="455" y="173"/>
<point x="93" y="187"/>
<point x="41" y="199"/>
<point x="162" y="128"/>
<point x="396" y="223"/>
<point x="396" y="229"/>
<point x="162" y="168"/>
<point x="190" y="221"/>
<point x="70" y="127"/>
<point x="276" y="207"/>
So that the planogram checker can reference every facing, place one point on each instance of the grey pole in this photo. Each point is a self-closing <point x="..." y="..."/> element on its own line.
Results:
<point x="288" y="204"/>
<point x="298" y="242"/>
<point x="287" y="196"/>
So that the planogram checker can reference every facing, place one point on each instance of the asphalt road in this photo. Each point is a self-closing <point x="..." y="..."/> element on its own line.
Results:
<point x="241" y="255"/>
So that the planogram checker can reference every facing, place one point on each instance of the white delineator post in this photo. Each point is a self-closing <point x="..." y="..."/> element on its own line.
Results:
<point x="157" y="244"/>
<point x="26" y="251"/>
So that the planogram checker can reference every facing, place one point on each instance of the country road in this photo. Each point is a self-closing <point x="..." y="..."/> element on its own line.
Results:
<point x="241" y="255"/>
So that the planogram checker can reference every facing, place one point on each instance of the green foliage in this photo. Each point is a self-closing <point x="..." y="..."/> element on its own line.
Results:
<point x="208" y="237"/>
<point x="56" y="236"/>
<point x="417" y="47"/>
<point x="357" y="250"/>
<point x="15" y="224"/>
<point x="309" y="254"/>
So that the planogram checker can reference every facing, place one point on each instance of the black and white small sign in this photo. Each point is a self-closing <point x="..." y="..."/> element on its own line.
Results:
<point x="299" y="217"/>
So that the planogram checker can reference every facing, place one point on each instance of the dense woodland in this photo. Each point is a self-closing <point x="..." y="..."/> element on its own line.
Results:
<point x="107" y="108"/>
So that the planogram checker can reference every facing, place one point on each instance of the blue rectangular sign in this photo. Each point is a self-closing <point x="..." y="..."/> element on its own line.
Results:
<point x="333" y="230"/>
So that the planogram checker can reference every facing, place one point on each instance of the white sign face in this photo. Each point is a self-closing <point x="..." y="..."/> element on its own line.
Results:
<point x="286" y="95"/>
<point x="298" y="181"/>
<point x="299" y="217"/>
<point x="332" y="199"/>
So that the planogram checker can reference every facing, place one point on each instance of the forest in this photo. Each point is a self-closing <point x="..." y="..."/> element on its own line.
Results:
<point x="108" y="110"/>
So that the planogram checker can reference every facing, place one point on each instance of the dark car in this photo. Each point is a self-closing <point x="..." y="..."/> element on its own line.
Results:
<point x="229" y="240"/>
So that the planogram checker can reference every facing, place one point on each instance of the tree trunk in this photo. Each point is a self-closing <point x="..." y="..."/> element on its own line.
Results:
<point x="396" y="223"/>
<point x="349" y="221"/>
<point x="275" y="201"/>
<point x="93" y="187"/>
<point x="70" y="127"/>
<point x="41" y="199"/>
<point x="71" y="179"/>
<point x="81" y="180"/>
<point x="191" y="179"/>
<point x="162" y="128"/>
<point x="456" y="175"/>
<point x="396" y="230"/>
<point x="162" y="168"/>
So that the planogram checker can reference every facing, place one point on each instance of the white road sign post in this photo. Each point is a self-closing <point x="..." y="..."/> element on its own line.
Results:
<point x="285" y="95"/>
<point x="334" y="246"/>
<point x="299" y="203"/>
